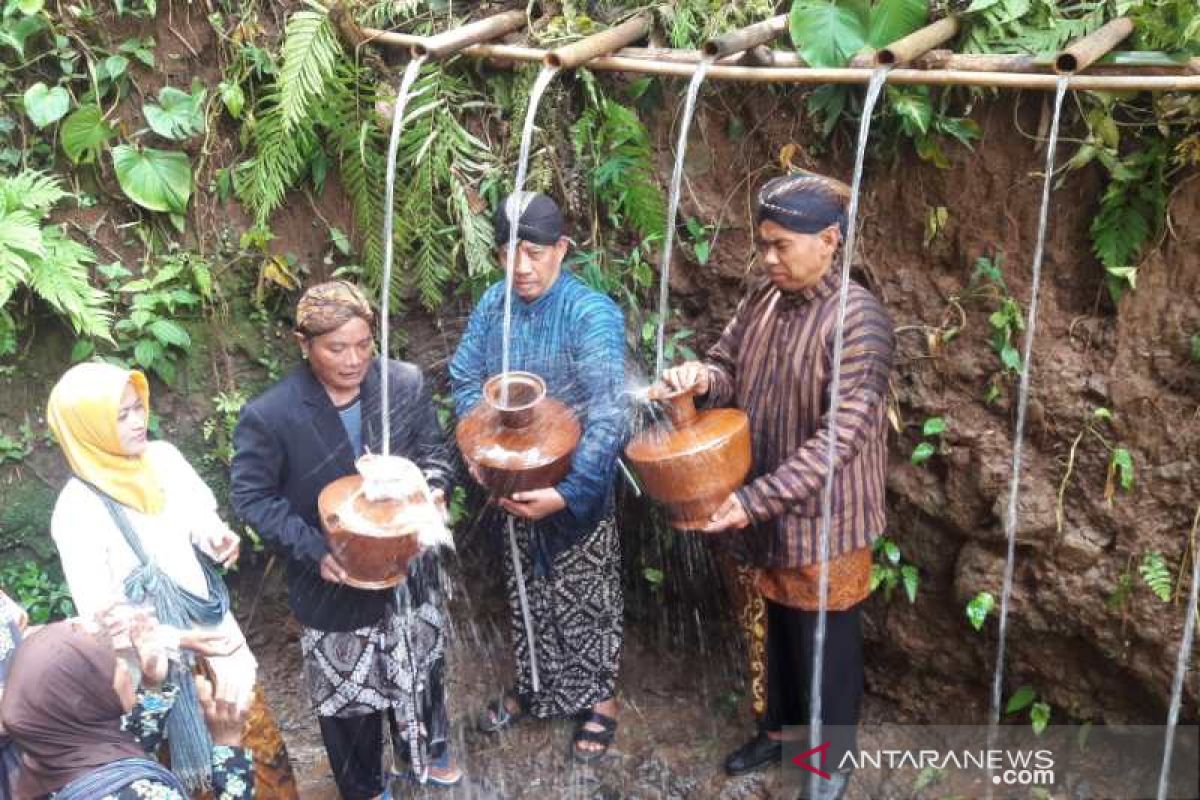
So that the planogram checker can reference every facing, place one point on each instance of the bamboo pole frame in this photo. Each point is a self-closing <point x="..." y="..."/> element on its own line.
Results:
<point x="917" y="43"/>
<point x="1081" y="54"/>
<point x="982" y="71"/>
<point x="746" y="38"/>
<point x="606" y="41"/>
<point x="450" y="42"/>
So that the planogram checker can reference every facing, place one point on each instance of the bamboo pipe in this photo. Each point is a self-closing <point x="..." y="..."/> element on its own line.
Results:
<point x="450" y="42"/>
<point x="944" y="59"/>
<point x="807" y="75"/>
<point x="917" y="43"/>
<point x="745" y="38"/>
<point x="585" y="50"/>
<point x="1080" y="55"/>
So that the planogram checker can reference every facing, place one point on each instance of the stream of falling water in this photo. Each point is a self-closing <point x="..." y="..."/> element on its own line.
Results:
<point x="874" y="89"/>
<point x="664" y="289"/>
<point x="406" y="83"/>
<point x="1010" y="522"/>
<point x="1181" y="666"/>
<point x="513" y="211"/>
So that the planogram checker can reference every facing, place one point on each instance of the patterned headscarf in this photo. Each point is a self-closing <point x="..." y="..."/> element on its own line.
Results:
<point x="82" y="413"/>
<point x="328" y="306"/>
<point x="804" y="203"/>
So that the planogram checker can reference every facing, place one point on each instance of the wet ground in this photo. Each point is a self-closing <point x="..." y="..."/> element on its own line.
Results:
<point x="681" y="712"/>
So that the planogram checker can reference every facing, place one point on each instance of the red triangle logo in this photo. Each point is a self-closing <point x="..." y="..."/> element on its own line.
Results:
<point x="801" y="760"/>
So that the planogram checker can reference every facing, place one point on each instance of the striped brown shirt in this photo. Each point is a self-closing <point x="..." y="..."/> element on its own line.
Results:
<point x="774" y="361"/>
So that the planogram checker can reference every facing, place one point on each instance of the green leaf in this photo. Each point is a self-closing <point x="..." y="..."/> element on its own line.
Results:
<point x="15" y="35"/>
<point x="890" y="20"/>
<point x="703" y="250"/>
<point x="84" y="134"/>
<point x="1196" y="347"/>
<point x="934" y="426"/>
<point x="1023" y="697"/>
<point x="653" y="576"/>
<point x="233" y="97"/>
<point x="159" y="180"/>
<point x="892" y="551"/>
<point x="1103" y="413"/>
<point x="113" y="67"/>
<point x="82" y="351"/>
<point x="1123" y="461"/>
<point x="911" y="578"/>
<point x="1011" y="358"/>
<point x="1156" y="575"/>
<point x="146" y="352"/>
<point x="178" y="115"/>
<point x="30" y="7"/>
<point x="922" y="453"/>
<point x="170" y="334"/>
<point x="1039" y="716"/>
<point x="827" y="33"/>
<point x="913" y="108"/>
<point x="45" y="106"/>
<point x="978" y="609"/>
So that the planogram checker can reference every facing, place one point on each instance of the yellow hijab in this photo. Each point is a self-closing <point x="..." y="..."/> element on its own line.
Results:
<point x="82" y="413"/>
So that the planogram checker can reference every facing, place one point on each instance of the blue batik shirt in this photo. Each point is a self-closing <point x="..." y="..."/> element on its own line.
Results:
<point x="573" y="337"/>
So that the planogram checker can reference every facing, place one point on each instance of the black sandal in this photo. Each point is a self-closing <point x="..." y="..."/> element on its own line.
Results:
<point x="496" y="717"/>
<point x="603" y="737"/>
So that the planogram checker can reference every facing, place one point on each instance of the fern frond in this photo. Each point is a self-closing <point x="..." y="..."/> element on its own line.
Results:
<point x="62" y="279"/>
<point x="386" y="13"/>
<point x="476" y="241"/>
<point x="30" y="190"/>
<point x="280" y="160"/>
<point x="311" y="52"/>
<point x="1154" y="572"/>
<point x="20" y="243"/>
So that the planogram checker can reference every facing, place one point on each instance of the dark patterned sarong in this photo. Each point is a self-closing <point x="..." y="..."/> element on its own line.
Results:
<point x="577" y="618"/>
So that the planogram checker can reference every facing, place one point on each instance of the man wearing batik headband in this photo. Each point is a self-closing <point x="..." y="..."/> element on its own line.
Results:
<point x="364" y="660"/>
<point x="774" y="361"/>
<point x="574" y="339"/>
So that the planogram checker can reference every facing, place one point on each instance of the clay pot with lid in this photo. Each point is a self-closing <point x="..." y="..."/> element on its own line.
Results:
<point x="380" y="519"/>
<point x="694" y="461"/>
<point x="518" y="439"/>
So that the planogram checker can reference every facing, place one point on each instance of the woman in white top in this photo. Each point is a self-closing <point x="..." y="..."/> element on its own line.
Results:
<point x="136" y="526"/>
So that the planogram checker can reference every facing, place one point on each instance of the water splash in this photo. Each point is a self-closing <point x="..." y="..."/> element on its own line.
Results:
<point x="874" y="89"/>
<point x="1181" y="666"/>
<point x="513" y="211"/>
<point x="402" y="95"/>
<point x="685" y="124"/>
<point x="1010" y="523"/>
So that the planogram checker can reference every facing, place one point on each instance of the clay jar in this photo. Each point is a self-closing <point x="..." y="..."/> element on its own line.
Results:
<point x="693" y="462"/>
<point x="375" y="521"/>
<point x="518" y="439"/>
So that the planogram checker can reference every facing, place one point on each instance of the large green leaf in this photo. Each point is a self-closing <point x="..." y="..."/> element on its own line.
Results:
<point x="46" y="106"/>
<point x="178" y="115"/>
<point x="85" y="133"/>
<point x="826" y="33"/>
<point x="159" y="180"/>
<point x="890" y="20"/>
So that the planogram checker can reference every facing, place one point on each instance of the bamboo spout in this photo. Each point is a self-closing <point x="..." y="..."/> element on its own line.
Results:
<point x="1081" y="54"/>
<point x="450" y="42"/>
<point x="603" y="43"/>
<point x="746" y="38"/>
<point x="917" y="43"/>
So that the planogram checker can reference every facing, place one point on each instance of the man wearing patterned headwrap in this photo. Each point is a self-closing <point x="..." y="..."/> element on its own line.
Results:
<point x="774" y="361"/>
<point x="566" y="535"/>
<point x="364" y="658"/>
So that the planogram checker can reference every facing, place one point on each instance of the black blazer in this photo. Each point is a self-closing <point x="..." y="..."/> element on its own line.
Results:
<point x="290" y="443"/>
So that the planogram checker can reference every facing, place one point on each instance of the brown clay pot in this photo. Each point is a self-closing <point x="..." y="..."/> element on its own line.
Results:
<point x="695" y="461"/>
<point x="374" y="540"/>
<point x="520" y="439"/>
